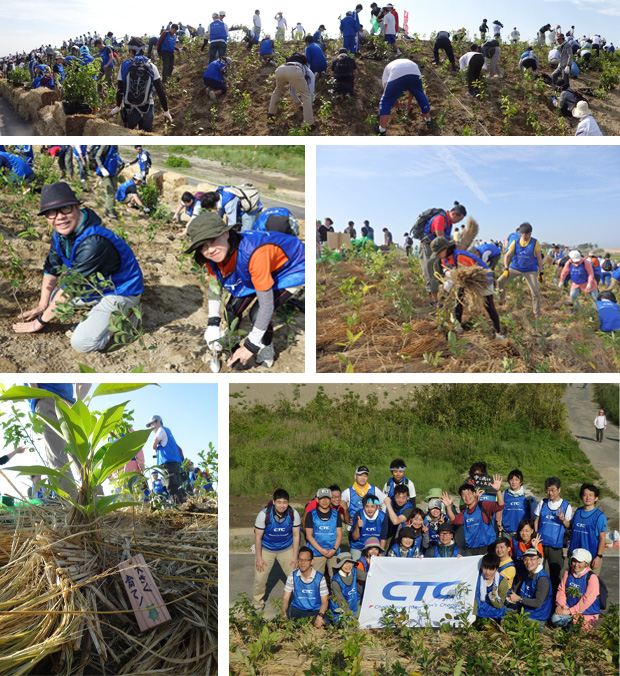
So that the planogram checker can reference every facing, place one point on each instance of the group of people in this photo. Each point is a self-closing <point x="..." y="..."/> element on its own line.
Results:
<point x="521" y="541"/>
<point x="254" y="253"/>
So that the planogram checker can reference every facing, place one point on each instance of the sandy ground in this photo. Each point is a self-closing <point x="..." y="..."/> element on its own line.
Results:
<point x="174" y="313"/>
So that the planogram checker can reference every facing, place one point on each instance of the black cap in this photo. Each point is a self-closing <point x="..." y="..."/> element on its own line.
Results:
<point x="446" y="525"/>
<point x="362" y="469"/>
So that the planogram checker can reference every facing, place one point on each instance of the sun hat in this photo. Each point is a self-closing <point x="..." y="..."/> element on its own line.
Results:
<point x="439" y="244"/>
<point x="207" y="225"/>
<point x="582" y="555"/>
<point x="582" y="110"/>
<point x="575" y="255"/>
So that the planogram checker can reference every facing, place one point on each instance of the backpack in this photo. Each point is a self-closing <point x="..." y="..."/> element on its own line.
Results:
<point x="248" y="196"/>
<point x="343" y="67"/>
<point x="602" y="592"/>
<point x="138" y="84"/>
<point x="607" y="265"/>
<point x="417" y="231"/>
<point x="91" y="154"/>
<point x="149" y="162"/>
<point x="408" y="241"/>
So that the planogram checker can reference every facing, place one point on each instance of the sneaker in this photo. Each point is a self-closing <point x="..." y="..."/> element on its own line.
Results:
<point x="271" y="118"/>
<point x="212" y="94"/>
<point x="458" y="329"/>
<point x="429" y="123"/>
<point x="501" y="337"/>
<point x="399" y="53"/>
<point x="111" y="214"/>
<point x="378" y="131"/>
<point x="265" y="356"/>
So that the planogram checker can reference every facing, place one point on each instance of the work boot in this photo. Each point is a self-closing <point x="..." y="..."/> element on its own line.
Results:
<point x="265" y="356"/>
<point x="111" y="214"/>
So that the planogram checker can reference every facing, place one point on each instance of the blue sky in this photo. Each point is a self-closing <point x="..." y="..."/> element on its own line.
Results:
<point x="564" y="192"/>
<point x="32" y="22"/>
<point x="189" y="410"/>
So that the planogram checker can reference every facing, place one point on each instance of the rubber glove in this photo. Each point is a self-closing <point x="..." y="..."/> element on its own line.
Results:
<point x="212" y="336"/>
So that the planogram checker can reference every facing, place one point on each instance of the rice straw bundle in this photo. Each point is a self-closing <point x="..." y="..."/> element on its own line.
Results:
<point x="64" y="609"/>
<point x="475" y="283"/>
<point x="469" y="234"/>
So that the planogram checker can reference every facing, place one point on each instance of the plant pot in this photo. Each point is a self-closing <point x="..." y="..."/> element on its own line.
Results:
<point x="75" y="108"/>
<point x="17" y="84"/>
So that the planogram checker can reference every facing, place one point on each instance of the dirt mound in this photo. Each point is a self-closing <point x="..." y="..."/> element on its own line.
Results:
<point x="174" y="301"/>
<point x="373" y="316"/>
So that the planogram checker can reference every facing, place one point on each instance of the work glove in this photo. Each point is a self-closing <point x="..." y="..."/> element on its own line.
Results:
<point x="113" y="112"/>
<point x="448" y="285"/>
<point x="541" y="276"/>
<point x="505" y="273"/>
<point x="567" y="69"/>
<point x="588" y="288"/>
<point x="493" y="596"/>
<point x="212" y="336"/>
<point x="167" y="115"/>
<point x="147" y="210"/>
<point x="560" y="283"/>
<point x="105" y="173"/>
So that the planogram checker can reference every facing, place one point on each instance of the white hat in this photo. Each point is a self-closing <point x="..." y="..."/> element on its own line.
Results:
<point x="581" y="110"/>
<point x="575" y="255"/>
<point x="582" y="555"/>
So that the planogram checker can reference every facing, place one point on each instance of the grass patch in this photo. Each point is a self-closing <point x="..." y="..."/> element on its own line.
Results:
<point x="439" y="430"/>
<point x="289" y="159"/>
<point x="174" y="161"/>
<point x="606" y="395"/>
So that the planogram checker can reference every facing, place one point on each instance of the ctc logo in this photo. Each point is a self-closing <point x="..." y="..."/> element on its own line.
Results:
<point x="422" y="587"/>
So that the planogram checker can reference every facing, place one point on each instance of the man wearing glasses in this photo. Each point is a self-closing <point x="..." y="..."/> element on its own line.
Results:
<point x="82" y="244"/>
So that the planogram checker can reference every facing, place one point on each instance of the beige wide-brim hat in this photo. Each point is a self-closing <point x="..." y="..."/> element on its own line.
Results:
<point x="581" y="110"/>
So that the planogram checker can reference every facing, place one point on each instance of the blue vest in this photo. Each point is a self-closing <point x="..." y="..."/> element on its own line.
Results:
<point x="324" y="532"/>
<point x="105" y="55"/>
<point x="508" y="564"/>
<point x="158" y="487"/>
<point x="170" y="452"/>
<point x="126" y="65"/>
<point x="528" y="591"/>
<point x="316" y="58"/>
<point x="217" y="31"/>
<point x="27" y="154"/>
<point x="64" y="390"/>
<point x="515" y="509"/>
<point x="83" y="149"/>
<point x="578" y="273"/>
<point x="438" y="555"/>
<point x="318" y="37"/>
<point x="292" y="273"/>
<point x="121" y="193"/>
<point x="348" y="591"/>
<point x="446" y="231"/>
<point x="19" y="169"/>
<point x="266" y="47"/>
<point x="110" y="162"/>
<point x="485" y="609"/>
<point x="61" y="71"/>
<point x="608" y="314"/>
<point x="584" y="530"/>
<point x="144" y="161"/>
<point x="306" y="596"/>
<point x="169" y="43"/>
<point x="477" y="532"/>
<point x="86" y="58"/>
<point x="368" y="529"/>
<point x="390" y="483"/>
<point x="550" y="528"/>
<point x="517" y="557"/>
<point x="524" y="258"/>
<point x="127" y="281"/>
<point x="414" y="551"/>
<point x="580" y="583"/>
<point x="452" y="262"/>
<point x="278" y="536"/>
<point x="214" y="71"/>
<point x="261" y="222"/>
<point x="489" y="247"/>
<point x="355" y="502"/>
<point x="433" y="535"/>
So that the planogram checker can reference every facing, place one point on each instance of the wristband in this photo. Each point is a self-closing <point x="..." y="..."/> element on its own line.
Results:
<point x="214" y="321"/>
<point x="41" y="320"/>
<point x="321" y="615"/>
<point x="254" y="349"/>
<point x="600" y="556"/>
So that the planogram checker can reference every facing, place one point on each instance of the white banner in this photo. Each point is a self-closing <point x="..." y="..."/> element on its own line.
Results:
<point x="427" y="589"/>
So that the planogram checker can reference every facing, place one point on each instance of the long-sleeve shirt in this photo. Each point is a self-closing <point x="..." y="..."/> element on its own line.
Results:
<point x="566" y="55"/>
<point x="592" y="591"/>
<point x="591" y="281"/>
<point x="541" y="593"/>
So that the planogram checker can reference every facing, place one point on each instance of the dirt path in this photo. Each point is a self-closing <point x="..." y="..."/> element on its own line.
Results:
<point x="581" y="411"/>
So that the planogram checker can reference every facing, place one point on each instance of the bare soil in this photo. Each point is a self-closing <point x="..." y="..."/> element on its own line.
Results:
<point x="174" y="309"/>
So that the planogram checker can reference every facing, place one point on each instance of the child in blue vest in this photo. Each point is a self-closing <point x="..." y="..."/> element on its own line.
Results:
<point x="491" y="591"/>
<point x="399" y="510"/>
<point x="589" y="527"/>
<point x="578" y="593"/>
<point x="516" y="505"/>
<point x="445" y="547"/>
<point x="608" y="311"/>
<point x="344" y="587"/>
<point x="370" y="521"/>
<point x="434" y="518"/>
<point x="398" y="478"/>
<point x="373" y="548"/>
<point x="535" y="594"/>
<point x="158" y="485"/>
<point x="407" y="545"/>
<point x="553" y="517"/>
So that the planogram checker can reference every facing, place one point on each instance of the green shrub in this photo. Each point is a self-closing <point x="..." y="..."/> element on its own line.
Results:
<point x="19" y="76"/>
<point x="175" y="161"/>
<point x="606" y="396"/>
<point x="149" y="194"/>
<point x="80" y="85"/>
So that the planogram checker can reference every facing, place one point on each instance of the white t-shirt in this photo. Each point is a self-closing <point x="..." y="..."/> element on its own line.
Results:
<point x="596" y="40"/>
<point x="600" y="422"/>
<point x="282" y="22"/>
<point x="389" y="23"/>
<point x="290" y="585"/>
<point x="256" y="20"/>
<point x="568" y="514"/>
<point x="399" y="68"/>
<point x="588" y="127"/>
<point x="466" y="58"/>
<point x="161" y="436"/>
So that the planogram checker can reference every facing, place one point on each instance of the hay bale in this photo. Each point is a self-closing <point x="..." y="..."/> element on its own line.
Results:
<point x="174" y="180"/>
<point x="47" y="125"/>
<point x="205" y="187"/>
<point x="64" y="607"/>
<point x="475" y="284"/>
<point x="95" y="126"/>
<point x="469" y="234"/>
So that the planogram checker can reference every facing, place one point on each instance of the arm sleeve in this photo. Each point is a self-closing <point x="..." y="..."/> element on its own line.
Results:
<point x="560" y="597"/>
<point x="384" y="529"/>
<point x="296" y="519"/>
<point x="289" y="586"/>
<point x="542" y="591"/>
<point x="263" y="317"/>
<point x="308" y="523"/>
<point x="100" y="154"/>
<point x="323" y="591"/>
<point x="458" y="519"/>
<point x="161" y="93"/>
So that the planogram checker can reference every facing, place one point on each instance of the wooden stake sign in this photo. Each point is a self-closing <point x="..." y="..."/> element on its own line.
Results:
<point x="144" y="596"/>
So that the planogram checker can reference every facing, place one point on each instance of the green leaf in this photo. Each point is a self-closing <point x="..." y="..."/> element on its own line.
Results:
<point x="40" y="469"/>
<point x="54" y="424"/>
<point x="138" y="369"/>
<point x="21" y="392"/>
<point x="107" y="422"/>
<point x="118" y="505"/>
<point x="88" y="420"/>
<point x="73" y="432"/>
<point x="118" y="388"/>
<point x="122" y="451"/>
<point x="85" y="369"/>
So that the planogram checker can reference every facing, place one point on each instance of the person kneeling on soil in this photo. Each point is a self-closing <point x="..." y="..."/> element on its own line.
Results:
<point x="451" y="257"/>
<point x="491" y="591"/>
<point x="127" y="194"/>
<point x="192" y="206"/>
<point x="82" y="244"/>
<point x="14" y="169"/>
<point x="582" y="277"/>
<point x="578" y="593"/>
<point x="268" y="267"/>
<point x="400" y="76"/>
<point x="305" y="592"/>
<point x="213" y="77"/>
<point x="608" y="312"/>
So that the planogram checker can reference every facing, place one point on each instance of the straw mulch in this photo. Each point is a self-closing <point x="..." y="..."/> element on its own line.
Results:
<point x="474" y="282"/>
<point x="64" y="609"/>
